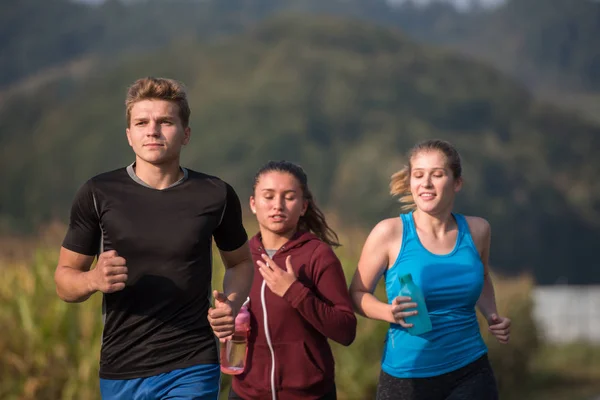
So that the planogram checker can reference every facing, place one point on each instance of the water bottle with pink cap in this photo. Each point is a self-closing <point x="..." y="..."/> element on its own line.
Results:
<point x="234" y="350"/>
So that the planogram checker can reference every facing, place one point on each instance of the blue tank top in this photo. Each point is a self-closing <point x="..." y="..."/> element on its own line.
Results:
<point x="451" y="284"/>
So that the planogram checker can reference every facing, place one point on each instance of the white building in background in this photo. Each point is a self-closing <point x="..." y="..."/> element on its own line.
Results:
<point x="568" y="313"/>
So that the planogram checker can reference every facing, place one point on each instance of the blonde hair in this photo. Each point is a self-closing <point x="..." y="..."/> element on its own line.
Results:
<point x="400" y="181"/>
<point x="158" y="89"/>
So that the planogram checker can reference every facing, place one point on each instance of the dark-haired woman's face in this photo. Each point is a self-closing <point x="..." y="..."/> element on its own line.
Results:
<point x="278" y="202"/>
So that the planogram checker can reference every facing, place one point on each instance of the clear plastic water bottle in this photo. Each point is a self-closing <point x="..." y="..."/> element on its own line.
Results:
<point x="421" y="322"/>
<point x="234" y="350"/>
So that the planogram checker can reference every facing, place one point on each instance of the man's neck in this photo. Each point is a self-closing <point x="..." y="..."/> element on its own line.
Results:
<point x="158" y="176"/>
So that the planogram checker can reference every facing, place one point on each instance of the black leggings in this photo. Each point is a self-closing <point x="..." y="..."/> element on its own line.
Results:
<point x="474" y="381"/>
<point x="329" y="396"/>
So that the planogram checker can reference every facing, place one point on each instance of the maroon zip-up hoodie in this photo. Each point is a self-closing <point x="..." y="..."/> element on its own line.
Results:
<point x="288" y="349"/>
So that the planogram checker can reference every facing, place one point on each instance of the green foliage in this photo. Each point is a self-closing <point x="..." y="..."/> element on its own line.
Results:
<point x="37" y="34"/>
<point x="553" y="51"/>
<point x="513" y="363"/>
<point x="42" y="35"/>
<point x="552" y="42"/>
<point x="344" y="99"/>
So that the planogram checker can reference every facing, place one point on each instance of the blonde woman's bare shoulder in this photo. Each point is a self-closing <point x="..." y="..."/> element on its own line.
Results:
<point x="387" y="229"/>
<point x="480" y="228"/>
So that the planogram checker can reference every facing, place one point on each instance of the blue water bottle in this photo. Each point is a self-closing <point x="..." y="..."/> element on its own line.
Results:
<point x="421" y="322"/>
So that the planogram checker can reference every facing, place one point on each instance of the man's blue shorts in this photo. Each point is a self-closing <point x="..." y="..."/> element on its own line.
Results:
<point x="200" y="382"/>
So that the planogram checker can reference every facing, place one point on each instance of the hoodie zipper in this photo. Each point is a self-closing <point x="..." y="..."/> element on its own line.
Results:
<point x="267" y="333"/>
<point x="268" y="336"/>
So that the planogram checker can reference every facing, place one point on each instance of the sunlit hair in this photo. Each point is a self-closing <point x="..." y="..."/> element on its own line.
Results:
<point x="400" y="181"/>
<point x="313" y="219"/>
<point x="158" y="89"/>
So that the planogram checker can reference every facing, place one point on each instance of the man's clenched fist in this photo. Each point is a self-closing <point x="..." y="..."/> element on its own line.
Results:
<point x="110" y="274"/>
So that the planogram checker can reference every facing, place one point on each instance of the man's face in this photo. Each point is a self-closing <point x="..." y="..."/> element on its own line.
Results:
<point x="155" y="131"/>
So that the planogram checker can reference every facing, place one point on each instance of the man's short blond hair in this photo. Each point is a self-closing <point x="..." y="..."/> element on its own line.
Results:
<point x="151" y="88"/>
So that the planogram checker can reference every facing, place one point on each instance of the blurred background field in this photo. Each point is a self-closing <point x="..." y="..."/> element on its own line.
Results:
<point x="49" y="349"/>
<point x="345" y="88"/>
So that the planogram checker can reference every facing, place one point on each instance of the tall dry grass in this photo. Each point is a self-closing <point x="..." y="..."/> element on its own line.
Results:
<point x="49" y="349"/>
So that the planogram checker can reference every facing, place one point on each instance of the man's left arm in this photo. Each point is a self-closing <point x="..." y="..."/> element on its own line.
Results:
<point x="232" y="240"/>
<point x="239" y="273"/>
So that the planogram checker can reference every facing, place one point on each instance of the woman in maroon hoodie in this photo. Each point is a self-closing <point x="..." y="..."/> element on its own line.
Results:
<point x="299" y="297"/>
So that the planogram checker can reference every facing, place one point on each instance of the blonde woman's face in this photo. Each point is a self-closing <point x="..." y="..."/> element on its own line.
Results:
<point x="432" y="183"/>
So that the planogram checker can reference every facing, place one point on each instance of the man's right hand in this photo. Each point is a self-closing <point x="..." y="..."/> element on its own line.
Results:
<point x="110" y="274"/>
<point x="221" y="317"/>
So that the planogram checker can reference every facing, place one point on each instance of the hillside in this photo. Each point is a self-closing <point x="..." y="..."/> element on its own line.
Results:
<point x="551" y="46"/>
<point x="37" y="35"/>
<point x="548" y="45"/>
<point x="346" y="100"/>
<point x="551" y="41"/>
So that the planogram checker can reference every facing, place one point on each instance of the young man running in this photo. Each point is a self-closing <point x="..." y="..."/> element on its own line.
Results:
<point x="151" y="225"/>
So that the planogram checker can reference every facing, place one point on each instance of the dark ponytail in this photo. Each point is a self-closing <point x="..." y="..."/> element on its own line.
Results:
<point x="313" y="219"/>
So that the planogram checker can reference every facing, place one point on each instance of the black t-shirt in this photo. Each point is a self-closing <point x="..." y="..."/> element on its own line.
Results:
<point x="158" y="323"/>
